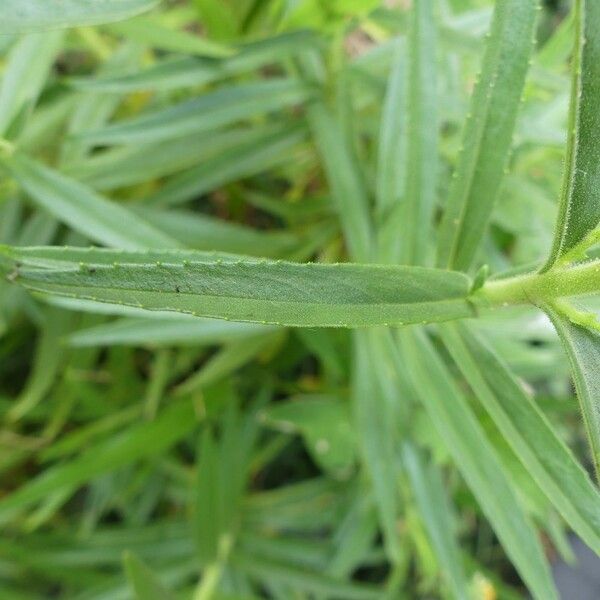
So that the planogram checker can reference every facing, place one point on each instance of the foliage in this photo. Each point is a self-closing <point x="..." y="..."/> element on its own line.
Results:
<point x="250" y="344"/>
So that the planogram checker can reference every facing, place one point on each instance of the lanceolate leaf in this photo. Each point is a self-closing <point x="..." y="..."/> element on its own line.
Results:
<point x="82" y="208"/>
<point x="431" y="499"/>
<point x="579" y="212"/>
<point x="139" y="441"/>
<point x="421" y="172"/>
<point x="35" y="15"/>
<point x="24" y="74"/>
<point x="476" y="460"/>
<point x="488" y="133"/>
<point x="391" y="161"/>
<point x="189" y="71"/>
<point x="530" y="435"/>
<point x="143" y="580"/>
<point x="205" y="113"/>
<point x="583" y="349"/>
<point x="223" y="286"/>
<point x="347" y="188"/>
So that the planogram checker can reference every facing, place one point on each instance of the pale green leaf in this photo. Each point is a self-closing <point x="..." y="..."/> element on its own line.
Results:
<point x="579" y="212"/>
<point x="143" y="580"/>
<point x="222" y="286"/>
<point x="182" y="72"/>
<point x="525" y="428"/>
<point x="35" y="15"/>
<point x="138" y="441"/>
<point x="348" y="189"/>
<point x="477" y="461"/>
<point x="151" y="32"/>
<point x="488" y="133"/>
<point x="25" y="73"/>
<point x="434" y="507"/>
<point x="583" y="349"/>
<point x="269" y="148"/>
<point x="82" y="208"/>
<point x="391" y="161"/>
<point x="376" y="431"/>
<point x="324" y="423"/>
<point x="422" y="162"/>
<point x="205" y="113"/>
<point x="181" y="331"/>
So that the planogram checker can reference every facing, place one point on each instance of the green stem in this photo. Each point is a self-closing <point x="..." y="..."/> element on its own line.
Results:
<point x="541" y="288"/>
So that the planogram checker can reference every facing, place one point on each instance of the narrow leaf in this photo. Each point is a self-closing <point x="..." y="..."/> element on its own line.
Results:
<point x="143" y="581"/>
<point x="181" y="331"/>
<point x="270" y="148"/>
<point x="35" y="15"/>
<point x="477" y="461"/>
<point x="205" y="113"/>
<point x="82" y="208"/>
<point x="223" y="286"/>
<point x="391" y="161"/>
<point x="375" y="430"/>
<point x="583" y="349"/>
<point x="138" y="441"/>
<point x="488" y="133"/>
<point x="190" y="71"/>
<point x="579" y="212"/>
<point x="347" y="187"/>
<point x="435" y="510"/>
<point x="25" y="73"/>
<point x="150" y="32"/>
<point x="527" y="431"/>
<point x="422" y="165"/>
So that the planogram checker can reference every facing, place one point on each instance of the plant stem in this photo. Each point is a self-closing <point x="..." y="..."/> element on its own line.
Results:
<point x="541" y="288"/>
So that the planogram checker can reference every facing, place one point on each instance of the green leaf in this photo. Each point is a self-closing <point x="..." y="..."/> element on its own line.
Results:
<point x="267" y="147"/>
<point x="138" y="441"/>
<point x="311" y="581"/>
<point x="422" y="165"/>
<point x="223" y="286"/>
<point x="150" y="32"/>
<point x="477" y="461"/>
<point x="182" y="331"/>
<point x="184" y="72"/>
<point x="579" y="212"/>
<point x="374" y="397"/>
<point x="488" y="133"/>
<point x="205" y="113"/>
<point x="35" y="15"/>
<point x="143" y="581"/>
<point x="47" y="363"/>
<point x="434" y="507"/>
<point x="324" y="423"/>
<point x="347" y="187"/>
<point x="82" y="208"/>
<point x="583" y="349"/>
<point x="531" y="436"/>
<point x="391" y="161"/>
<point x="25" y="72"/>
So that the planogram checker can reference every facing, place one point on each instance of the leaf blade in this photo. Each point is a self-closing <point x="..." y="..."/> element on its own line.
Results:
<point x="582" y="346"/>
<point x="36" y="15"/>
<point x="82" y="208"/>
<point x="223" y="286"/>
<point x="488" y="133"/>
<point x="477" y="461"/>
<point x="579" y="212"/>
<point x="526" y="429"/>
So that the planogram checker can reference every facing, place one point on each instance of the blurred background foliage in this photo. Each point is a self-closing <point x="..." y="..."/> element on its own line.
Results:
<point x="222" y="460"/>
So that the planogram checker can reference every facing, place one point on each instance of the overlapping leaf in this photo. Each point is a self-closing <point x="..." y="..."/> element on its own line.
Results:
<point x="225" y="286"/>
<point x="579" y="212"/>
<point x="488" y="133"/>
<point x="35" y="15"/>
